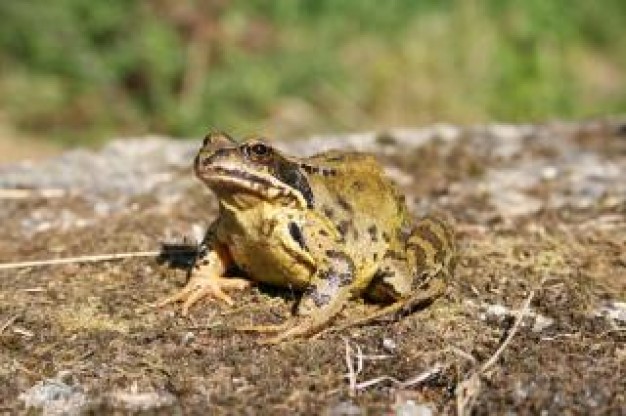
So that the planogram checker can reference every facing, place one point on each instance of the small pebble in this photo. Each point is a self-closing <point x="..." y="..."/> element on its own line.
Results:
<point x="541" y="323"/>
<point x="549" y="173"/>
<point x="188" y="338"/>
<point x="389" y="345"/>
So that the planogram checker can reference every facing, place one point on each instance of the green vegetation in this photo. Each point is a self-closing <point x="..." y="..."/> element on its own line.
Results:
<point x="84" y="70"/>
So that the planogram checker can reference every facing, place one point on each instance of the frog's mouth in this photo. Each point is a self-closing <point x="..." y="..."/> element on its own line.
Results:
<point x="225" y="180"/>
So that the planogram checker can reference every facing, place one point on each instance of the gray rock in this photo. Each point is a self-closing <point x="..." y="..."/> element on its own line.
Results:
<point x="410" y="408"/>
<point x="345" y="408"/>
<point x="55" y="397"/>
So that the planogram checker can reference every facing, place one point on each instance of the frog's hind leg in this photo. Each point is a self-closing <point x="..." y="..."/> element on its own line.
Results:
<point x="318" y="306"/>
<point x="427" y="294"/>
<point x="314" y="323"/>
<point x="416" y="276"/>
<point x="322" y="302"/>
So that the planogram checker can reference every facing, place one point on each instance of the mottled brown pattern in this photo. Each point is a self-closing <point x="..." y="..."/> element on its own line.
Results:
<point x="426" y="233"/>
<point x="372" y="230"/>
<point x="344" y="226"/>
<point x="344" y="204"/>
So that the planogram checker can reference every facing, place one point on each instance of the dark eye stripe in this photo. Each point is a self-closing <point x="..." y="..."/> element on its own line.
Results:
<point x="290" y="174"/>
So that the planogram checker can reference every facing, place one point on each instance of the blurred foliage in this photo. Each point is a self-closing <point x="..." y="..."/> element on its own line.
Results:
<point x="83" y="70"/>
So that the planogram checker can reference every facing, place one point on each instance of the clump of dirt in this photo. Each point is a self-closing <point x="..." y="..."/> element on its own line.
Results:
<point x="540" y="211"/>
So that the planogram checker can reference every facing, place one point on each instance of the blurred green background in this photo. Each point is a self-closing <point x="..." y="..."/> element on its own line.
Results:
<point x="79" y="71"/>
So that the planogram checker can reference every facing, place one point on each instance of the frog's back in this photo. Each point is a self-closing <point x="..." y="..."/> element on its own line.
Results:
<point x="354" y="182"/>
<point x="345" y="160"/>
<point x="351" y="190"/>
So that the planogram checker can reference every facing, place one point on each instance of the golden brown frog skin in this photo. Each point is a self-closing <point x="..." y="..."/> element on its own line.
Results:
<point x="331" y="226"/>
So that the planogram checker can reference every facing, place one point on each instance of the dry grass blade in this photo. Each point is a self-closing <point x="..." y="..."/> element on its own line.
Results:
<point x="81" y="259"/>
<point x="420" y="378"/>
<point x="463" y="354"/>
<point x="31" y="193"/>
<point x="8" y="323"/>
<point x="369" y="383"/>
<point x="359" y="363"/>
<point x="468" y="390"/>
<point x="466" y="393"/>
<point x="351" y="373"/>
<point x="518" y="320"/>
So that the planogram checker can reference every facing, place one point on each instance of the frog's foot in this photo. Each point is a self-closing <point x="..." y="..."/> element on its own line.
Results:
<point x="436" y="288"/>
<point x="201" y="286"/>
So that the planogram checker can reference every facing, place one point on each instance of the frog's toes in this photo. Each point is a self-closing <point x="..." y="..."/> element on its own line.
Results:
<point x="197" y="289"/>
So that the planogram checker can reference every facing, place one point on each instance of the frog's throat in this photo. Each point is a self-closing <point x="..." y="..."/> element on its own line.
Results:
<point x="223" y="180"/>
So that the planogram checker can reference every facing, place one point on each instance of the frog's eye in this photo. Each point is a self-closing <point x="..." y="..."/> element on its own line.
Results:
<point x="258" y="150"/>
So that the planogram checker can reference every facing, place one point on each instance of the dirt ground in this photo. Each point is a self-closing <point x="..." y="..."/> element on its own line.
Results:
<point x="541" y="216"/>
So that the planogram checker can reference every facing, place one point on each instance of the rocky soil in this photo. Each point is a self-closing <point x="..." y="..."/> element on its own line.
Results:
<point x="535" y="320"/>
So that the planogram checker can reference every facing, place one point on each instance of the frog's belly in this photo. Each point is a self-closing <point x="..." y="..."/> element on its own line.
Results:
<point x="268" y="262"/>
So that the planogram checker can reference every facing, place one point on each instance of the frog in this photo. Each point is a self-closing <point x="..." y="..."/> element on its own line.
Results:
<point x="331" y="227"/>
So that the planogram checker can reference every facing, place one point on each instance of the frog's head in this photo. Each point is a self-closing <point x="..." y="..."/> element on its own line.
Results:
<point x="251" y="171"/>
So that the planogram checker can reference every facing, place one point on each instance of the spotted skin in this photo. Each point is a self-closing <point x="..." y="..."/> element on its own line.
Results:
<point x="330" y="226"/>
<point x="430" y="257"/>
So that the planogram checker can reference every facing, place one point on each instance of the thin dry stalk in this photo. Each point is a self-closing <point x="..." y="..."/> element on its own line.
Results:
<point x="31" y="193"/>
<point x="420" y="378"/>
<point x="463" y="354"/>
<point x="359" y="362"/>
<point x="351" y="373"/>
<point x="369" y="383"/>
<point x="468" y="390"/>
<point x="523" y="311"/>
<point x="466" y="393"/>
<point x="8" y="323"/>
<point x="81" y="259"/>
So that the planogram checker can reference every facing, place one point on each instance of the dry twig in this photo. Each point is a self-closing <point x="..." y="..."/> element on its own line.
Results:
<point x="361" y="358"/>
<point x="463" y="354"/>
<point x="523" y="311"/>
<point x="420" y="378"/>
<point x="81" y="259"/>
<point x="351" y="373"/>
<point x="8" y="323"/>
<point x="32" y="193"/>
<point x="468" y="390"/>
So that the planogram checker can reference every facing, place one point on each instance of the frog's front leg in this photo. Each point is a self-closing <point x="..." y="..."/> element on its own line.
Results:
<point x="330" y="288"/>
<point x="207" y="279"/>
